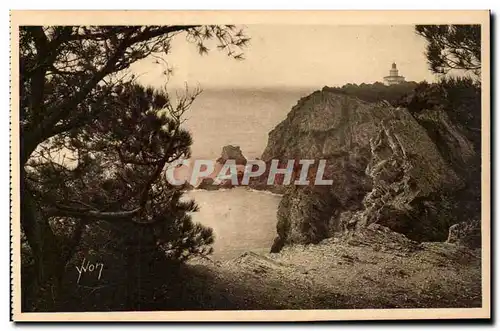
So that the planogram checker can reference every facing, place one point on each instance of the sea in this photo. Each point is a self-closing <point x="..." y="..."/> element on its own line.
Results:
<point x="242" y="219"/>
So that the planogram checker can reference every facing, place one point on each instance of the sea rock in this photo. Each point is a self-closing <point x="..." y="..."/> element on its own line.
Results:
<point x="210" y="184"/>
<point x="383" y="163"/>
<point x="231" y="152"/>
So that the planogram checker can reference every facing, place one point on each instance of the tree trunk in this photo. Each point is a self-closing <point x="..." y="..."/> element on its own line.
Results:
<point x="46" y="251"/>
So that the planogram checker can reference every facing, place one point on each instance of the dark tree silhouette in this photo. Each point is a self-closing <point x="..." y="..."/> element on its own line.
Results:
<point x="452" y="47"/>
<point x="376" y="92"/>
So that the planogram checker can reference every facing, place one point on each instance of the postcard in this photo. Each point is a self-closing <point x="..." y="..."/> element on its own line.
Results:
<point x="250" y="165"/>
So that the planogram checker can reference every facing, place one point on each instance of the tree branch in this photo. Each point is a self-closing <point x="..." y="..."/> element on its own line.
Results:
<point x="66" y="211"/>
<point x="46" y="130"/>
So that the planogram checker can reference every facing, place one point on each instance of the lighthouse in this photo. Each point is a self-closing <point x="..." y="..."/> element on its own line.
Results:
<point x="393" y="77"/>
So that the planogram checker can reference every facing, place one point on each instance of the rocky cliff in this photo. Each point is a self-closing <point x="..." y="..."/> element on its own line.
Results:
<point x="388" y="166"/>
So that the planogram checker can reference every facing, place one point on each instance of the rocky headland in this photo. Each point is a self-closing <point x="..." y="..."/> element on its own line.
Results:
<point x="399" y="227"/>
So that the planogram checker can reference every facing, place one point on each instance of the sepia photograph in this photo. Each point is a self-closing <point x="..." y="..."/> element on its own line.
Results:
<point x="250" y="166"/>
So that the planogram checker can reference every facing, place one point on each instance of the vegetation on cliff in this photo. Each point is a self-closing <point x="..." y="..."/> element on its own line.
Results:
<point x="452" y="47"/>
<point x="407" y="156"/>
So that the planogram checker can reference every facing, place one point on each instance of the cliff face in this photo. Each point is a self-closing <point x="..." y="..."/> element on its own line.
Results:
<point x="386" y="168"/>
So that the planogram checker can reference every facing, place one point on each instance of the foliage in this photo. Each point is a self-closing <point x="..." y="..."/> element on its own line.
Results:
<point x="452" y="47"/>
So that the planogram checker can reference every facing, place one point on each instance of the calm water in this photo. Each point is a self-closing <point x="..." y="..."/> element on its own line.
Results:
<point x="243" y="220"/>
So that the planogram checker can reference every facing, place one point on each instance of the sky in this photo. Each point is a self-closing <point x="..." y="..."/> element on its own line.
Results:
<point x="288" y="56"/>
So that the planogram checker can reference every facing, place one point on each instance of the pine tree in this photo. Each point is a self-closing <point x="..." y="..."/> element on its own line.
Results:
<point x="92" y="146"/>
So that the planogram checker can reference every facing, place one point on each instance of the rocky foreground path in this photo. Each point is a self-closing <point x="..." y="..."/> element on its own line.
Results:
<point x="373" y="268"/>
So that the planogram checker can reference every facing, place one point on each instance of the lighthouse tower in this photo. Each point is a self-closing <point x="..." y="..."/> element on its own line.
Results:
<point x="393" y="77"/>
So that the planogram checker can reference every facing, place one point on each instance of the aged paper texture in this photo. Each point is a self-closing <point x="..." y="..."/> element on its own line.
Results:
<point x="250" y="165"/>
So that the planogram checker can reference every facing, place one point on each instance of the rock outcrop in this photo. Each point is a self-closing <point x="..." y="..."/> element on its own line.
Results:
<point x="385" y="167"/>
<point x="305" y="216"/>
<point x="231" y="152"/>
<point x="208" y="184"/>
<point x="188" y="187"/>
